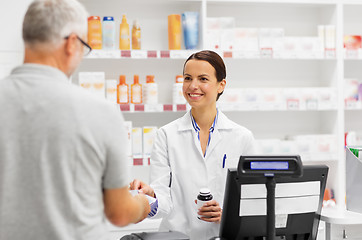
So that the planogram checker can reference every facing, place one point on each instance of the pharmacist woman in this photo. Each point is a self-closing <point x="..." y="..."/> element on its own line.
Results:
<point x="194" y="152"/>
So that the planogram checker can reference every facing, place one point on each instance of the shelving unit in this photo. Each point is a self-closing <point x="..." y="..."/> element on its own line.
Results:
<point x="297" y="18"/>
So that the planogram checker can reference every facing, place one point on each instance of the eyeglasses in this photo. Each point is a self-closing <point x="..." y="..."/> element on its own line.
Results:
<point x="87" y="48"/>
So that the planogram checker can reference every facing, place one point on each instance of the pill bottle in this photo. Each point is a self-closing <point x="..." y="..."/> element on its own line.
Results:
<point x="203" y="197"/>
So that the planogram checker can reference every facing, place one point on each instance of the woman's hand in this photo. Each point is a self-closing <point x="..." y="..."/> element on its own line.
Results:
<point x="142" y="187"/>
<point x="211" y="212"/>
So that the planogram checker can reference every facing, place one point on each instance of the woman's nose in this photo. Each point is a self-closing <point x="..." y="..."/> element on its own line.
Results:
<point x="194" y="84"/>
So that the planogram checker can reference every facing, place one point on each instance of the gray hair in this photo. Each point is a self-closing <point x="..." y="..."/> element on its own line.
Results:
<point x="50" y="21"/>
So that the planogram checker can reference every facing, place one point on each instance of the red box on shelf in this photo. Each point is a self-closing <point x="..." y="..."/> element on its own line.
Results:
<point x="352" y="42"/>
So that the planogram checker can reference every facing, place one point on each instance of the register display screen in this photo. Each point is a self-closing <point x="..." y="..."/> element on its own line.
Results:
<point x="269" y="165"/>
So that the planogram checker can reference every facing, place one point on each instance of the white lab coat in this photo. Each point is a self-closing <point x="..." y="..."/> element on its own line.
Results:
<point x="179" y="170"/>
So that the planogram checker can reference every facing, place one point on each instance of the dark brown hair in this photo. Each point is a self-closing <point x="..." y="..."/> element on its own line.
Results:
<point x="215" y="60"/>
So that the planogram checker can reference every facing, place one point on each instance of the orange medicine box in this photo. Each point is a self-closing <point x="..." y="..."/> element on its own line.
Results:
<point x="95" y="32"/>
<point x="174" y="32"/>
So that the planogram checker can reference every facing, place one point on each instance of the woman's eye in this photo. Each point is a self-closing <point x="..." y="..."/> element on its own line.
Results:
<point x="204" y="79"/>
<point x="187" y="78"/>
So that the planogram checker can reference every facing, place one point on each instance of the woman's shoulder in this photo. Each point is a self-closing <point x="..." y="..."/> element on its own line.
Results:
<point x="178" y="124"/>
<point x="225" y="123"/>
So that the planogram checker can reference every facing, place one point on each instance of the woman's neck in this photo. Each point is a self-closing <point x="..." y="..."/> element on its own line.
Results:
<point x="204" y="117"/>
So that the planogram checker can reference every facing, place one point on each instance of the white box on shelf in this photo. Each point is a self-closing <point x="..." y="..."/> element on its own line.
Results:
<point x="288" y="147"/>
<point x="330" y="37"/>
<point x="227" y="38"/>
<point x="128" y="127"/>
<point x="250" y="98"/>
<point x="271" y="99"/>
<point x="212" y="23"/>
<point x="309" y="99"/>
<point x="227" y="22"/>
<point x="93" y="81"/>
<point x="149" y="134"/>
<point x="111" y="90"/>
<point x="230" y="95"/>
<point x="290" y="47"/>
<point x="292" y="98"/>
<point x="212" y="39"/>
<point x="137" y="142"/>
<point x="327" y="98"/>
<point x="246" y="39"/>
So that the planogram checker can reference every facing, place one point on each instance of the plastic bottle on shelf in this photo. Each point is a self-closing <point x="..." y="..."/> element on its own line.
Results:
<point x="177" y="93"/>
<point x="174" y="32"/>
<point x="109" y="33"/>
<point x="124" y="42"/>
<point x="136" y="91"/>
<point x="151" y="90"/>
<point x="122" y="91"/>
<point x="136" y="35"/>
<point x="95" y="32"/>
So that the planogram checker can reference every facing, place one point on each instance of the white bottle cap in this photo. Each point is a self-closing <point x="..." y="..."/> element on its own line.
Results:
<point x="204" y="191"/>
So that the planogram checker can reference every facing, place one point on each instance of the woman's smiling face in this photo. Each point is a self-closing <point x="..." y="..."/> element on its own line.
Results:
<point x="200" y="87"/>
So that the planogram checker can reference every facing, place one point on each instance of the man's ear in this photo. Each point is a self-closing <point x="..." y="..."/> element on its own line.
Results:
<point x="70" y="45"/>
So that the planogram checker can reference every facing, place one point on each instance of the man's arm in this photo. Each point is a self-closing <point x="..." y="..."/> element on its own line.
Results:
<point x="121" y="208"/>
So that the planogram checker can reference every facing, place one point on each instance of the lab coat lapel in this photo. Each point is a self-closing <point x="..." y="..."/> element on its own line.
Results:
<point x="185" y="124"/>
<point x="215" y="140"/>
<point x="197" y="144"/>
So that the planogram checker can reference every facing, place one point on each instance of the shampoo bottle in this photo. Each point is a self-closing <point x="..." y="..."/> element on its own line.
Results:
<point x="177" y="95"/>
<point x="151" y="90"/>
<point x="136" y="91"/>
<point x="136" y="35"/>
<point x="122" y="91"/>
<point x="109" y="33"/>
<point x="95" y="32"/>
<point x="124" y="42"/>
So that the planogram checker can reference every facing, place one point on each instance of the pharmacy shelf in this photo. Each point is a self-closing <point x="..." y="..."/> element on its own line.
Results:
<point x="299" y="2"/>
<point x="184" y="54"/>
<point x="225" y="107"/>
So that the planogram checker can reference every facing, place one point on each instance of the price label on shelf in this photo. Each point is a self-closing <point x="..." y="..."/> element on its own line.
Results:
<point x="125" y="53"/>
<point x="179" y="54"/>
<point x="239" y="54"/>
<point x="330" y="53"/>
<point x="351" y="53"/>
<point x="95" y="54"/>
<point x="153" y="108"/>
<point x="228" y="54"/>
<point x="293" y="104"/>
<point x="139" y="108"/>
<point x="137" y="161"/>
<point x="181" y="107"/>
<point x="312" y="104"/>
<point x="167" y="107"/>
<point x="152" y="54"/>
<point x="139" y="54"/>
<point x="352" y="104"/>
<point x="165" y="54"/>
<point x="266" y="53"/>
<point x="125" y="107"/>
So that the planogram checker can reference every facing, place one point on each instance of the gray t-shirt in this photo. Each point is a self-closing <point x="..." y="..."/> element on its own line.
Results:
<point x="60" y="147"/>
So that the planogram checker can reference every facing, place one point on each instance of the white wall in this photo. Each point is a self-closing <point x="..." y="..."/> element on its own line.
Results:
<point x="11" y="43"/>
